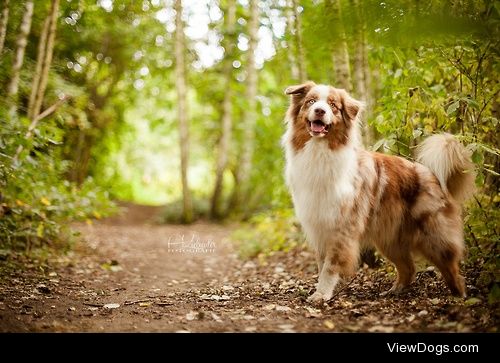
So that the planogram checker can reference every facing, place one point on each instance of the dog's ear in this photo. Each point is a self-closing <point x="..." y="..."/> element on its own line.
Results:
<point x="300" y="90"/>
<point x="350" y="107"/>
<point x="298" y="94"/>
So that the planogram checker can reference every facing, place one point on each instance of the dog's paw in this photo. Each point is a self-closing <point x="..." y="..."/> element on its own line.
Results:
<point x="317" y="298"/>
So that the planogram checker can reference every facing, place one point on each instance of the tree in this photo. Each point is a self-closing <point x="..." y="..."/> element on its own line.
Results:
<point x="4" y="19"/>
<point x="44" y="61"/>
<point x="242" y="182"/>
<point x="22" y="41"/>
<point x="227" y="110"/>
<point x="340" y="53"/>
<point x="299" y="48"/>
<point x="182" y="110"/>
<point x="361" y="70"/>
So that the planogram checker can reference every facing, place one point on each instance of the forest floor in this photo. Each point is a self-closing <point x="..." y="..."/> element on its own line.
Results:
<point x="128" y="274"/>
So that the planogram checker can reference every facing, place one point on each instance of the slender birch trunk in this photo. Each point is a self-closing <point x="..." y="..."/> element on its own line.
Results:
<point x="243" y="173"/>
<point x="227" y="110"/>
<point x="22" y="41"/>
<point x="182" y="111"/>
<point x="4" y="19"/>
<point x="340" y="54"/>
<point x="292" y="53"/>
<point x="47" y="60"/>
<point x="35" y="83"/>
<point x="301" y="62"/>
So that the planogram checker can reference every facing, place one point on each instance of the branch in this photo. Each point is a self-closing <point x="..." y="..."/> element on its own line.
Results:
<point x="35" y="122"/>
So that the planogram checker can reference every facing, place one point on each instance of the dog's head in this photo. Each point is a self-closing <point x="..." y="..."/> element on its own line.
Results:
<point x="322" y="111"/>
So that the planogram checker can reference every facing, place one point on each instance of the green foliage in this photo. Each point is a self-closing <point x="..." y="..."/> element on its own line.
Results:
<point x="37" y="203"/>
<point x="266" y="232"/>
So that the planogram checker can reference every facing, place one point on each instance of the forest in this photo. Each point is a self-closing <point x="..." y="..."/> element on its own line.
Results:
<point x="179" y="106"/>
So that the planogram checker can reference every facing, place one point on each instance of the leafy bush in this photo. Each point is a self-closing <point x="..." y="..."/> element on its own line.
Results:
<point x="274" y="230"/>
<point x="36" y="201"/>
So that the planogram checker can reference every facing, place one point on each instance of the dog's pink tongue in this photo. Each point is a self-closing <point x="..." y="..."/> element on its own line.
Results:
<point x="317" y="126"/>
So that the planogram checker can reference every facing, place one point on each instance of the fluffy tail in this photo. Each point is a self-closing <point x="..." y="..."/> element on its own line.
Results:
<point x="450" y="162"/>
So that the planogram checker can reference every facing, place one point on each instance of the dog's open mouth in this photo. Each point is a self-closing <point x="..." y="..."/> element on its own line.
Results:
<point x="318" y="127"/>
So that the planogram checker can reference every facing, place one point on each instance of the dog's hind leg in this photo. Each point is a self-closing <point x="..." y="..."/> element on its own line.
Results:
<point x="446" y="256"/>
<point x="405" y="268"/>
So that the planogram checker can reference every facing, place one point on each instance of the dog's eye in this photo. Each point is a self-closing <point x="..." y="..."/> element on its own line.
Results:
<point x="333" y="105"/>
<point x="311" y="101"/>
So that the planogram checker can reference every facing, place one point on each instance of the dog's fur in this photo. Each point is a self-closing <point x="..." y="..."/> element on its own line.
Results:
<point x="347" y="198"/>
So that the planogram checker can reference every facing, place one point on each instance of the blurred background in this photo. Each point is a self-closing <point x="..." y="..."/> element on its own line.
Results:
<point x="180" y="104"/>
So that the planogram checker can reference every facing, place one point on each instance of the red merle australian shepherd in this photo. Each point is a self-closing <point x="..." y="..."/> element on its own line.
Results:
<point x="348" y="198"/>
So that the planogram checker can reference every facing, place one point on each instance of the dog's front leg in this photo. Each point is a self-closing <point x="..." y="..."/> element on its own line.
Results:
<point x="320" y="259"/>
<point x="341" y="259"/>
<point x="328" y="280"/>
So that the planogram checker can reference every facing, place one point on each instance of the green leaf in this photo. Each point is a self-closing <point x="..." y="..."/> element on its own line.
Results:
<point x="477" y="157"/>
<point x="472" y="301"/>
<point x="453" y="107"/>
<point x="472" y="103"/>
<point x="39" y="230"/>
<point x="378" y="144"/>
<point x="417" y="133"/>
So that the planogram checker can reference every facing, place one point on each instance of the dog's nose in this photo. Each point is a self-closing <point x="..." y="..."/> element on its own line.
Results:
<point x="319" y="112"/>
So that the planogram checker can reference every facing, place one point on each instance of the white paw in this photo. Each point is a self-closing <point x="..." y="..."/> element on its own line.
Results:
<point x="317" y="298"/>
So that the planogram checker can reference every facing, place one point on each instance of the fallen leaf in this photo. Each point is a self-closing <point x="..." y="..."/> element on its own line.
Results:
<point x="191" y="315"/>
<point x="287" y="328"/>
<point x="283" y="308"/>
<point x="422" y="313"/>
<point x="312" y="312"/>
<point x="472" y="301"/>
<point x="270" y="307"/>
<point x="216" y="317"/>
<point x="112" y="306"/>
<point x="329" y="324"/>
<point x="381" y="329"/>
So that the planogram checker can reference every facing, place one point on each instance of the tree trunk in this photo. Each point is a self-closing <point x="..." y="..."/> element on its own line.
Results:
<point x="292" y="52"/>
<point x="362" y="74"/>
<point x="301" y="63"/>
<point x="340" y="53"/>
<point x="22" y="41"/>
<point x="35" y="84"/>
<point x="47" y="59"/>
<point x="182" y="110"/>
<point x="243" y="173"/>
<point x="227" y="110"/>
<point x="4" y="19"/>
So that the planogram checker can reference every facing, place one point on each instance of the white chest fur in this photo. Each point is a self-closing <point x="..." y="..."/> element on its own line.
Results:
<point x="321" y="181"/>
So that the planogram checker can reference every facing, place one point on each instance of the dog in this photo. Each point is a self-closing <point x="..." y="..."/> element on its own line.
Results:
<point x="347" y="198"/>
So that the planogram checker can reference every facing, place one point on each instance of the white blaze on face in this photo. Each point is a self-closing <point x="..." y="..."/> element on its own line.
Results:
<point x="315" y="110"/>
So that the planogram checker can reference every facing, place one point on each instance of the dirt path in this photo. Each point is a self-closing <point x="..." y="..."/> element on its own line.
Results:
<point x="131" y="275"/>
